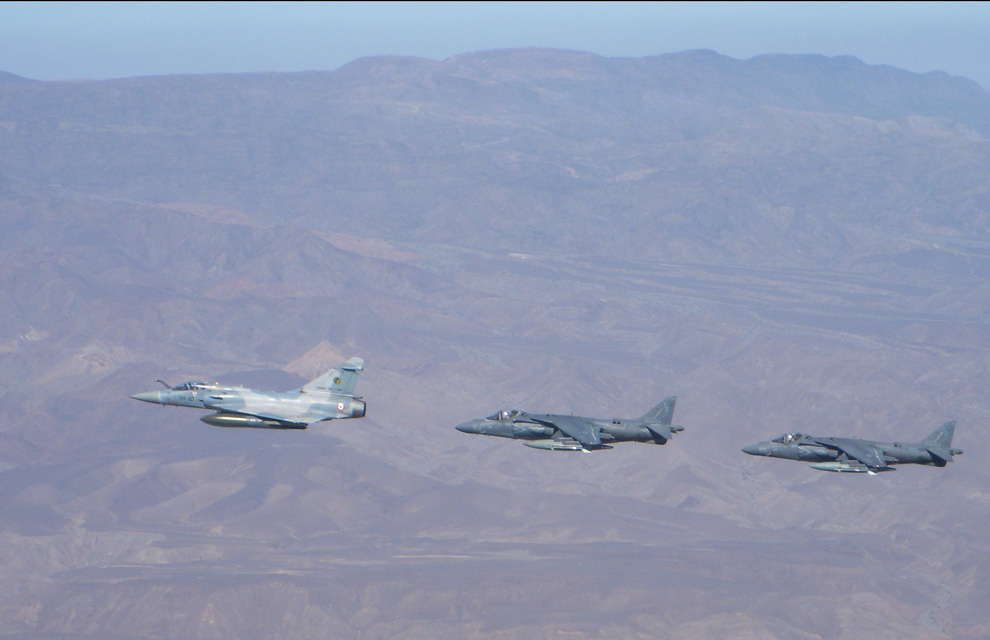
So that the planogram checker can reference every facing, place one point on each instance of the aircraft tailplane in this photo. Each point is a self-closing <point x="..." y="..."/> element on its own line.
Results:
<point x="661" y="433"/>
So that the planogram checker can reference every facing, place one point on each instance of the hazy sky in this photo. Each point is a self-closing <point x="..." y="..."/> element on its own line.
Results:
<point x="56" y="40"/>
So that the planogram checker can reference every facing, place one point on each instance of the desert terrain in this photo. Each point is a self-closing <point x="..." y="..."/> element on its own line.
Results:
<point x="786" y="243"/>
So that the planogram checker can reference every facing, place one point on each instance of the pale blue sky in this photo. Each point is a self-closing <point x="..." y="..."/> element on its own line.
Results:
<point x="57" y="40"/>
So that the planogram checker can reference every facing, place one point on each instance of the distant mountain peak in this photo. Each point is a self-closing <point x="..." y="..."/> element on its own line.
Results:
<point x="7" y="77"/>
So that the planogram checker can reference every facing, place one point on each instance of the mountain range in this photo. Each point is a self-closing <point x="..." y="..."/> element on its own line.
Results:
<point x="786" y="243"/>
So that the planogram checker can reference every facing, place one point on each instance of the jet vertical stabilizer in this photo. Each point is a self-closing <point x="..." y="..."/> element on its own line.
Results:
<point x="663" y="413"/>
<point x="941" y="437"/>
<point x="338" y="381"/>
<point x="939" y="444"/>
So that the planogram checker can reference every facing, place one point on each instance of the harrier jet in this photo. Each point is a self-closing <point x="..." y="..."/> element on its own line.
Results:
<point x="329" y="397"/>
<point x="860" y="456"/>
<point x="574" y="433"/>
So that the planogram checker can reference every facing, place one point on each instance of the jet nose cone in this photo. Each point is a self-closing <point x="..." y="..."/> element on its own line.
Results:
<point x="753" y="450"/>
<point x="467" y="427"/>
<point x="149" y="396"/>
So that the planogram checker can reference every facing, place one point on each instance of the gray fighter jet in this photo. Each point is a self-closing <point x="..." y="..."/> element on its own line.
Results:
<point x="329" y="397"/>
<point x="860" y="456"/>
<point x="574" y="433"/>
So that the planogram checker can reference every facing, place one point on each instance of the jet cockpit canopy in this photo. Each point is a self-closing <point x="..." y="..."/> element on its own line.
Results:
<point x="191" y="386"/>
<point x="504" y="414"/>
<point x="789" y="438"/>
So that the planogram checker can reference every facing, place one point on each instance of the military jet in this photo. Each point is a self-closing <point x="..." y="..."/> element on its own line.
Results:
<point x="574" y="433"/>
<point x="853" y="455"/>
<point x="328" y="397"/>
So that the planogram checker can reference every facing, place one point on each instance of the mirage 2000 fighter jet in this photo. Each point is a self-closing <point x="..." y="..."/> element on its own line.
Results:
<point x="329" y="397"/>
